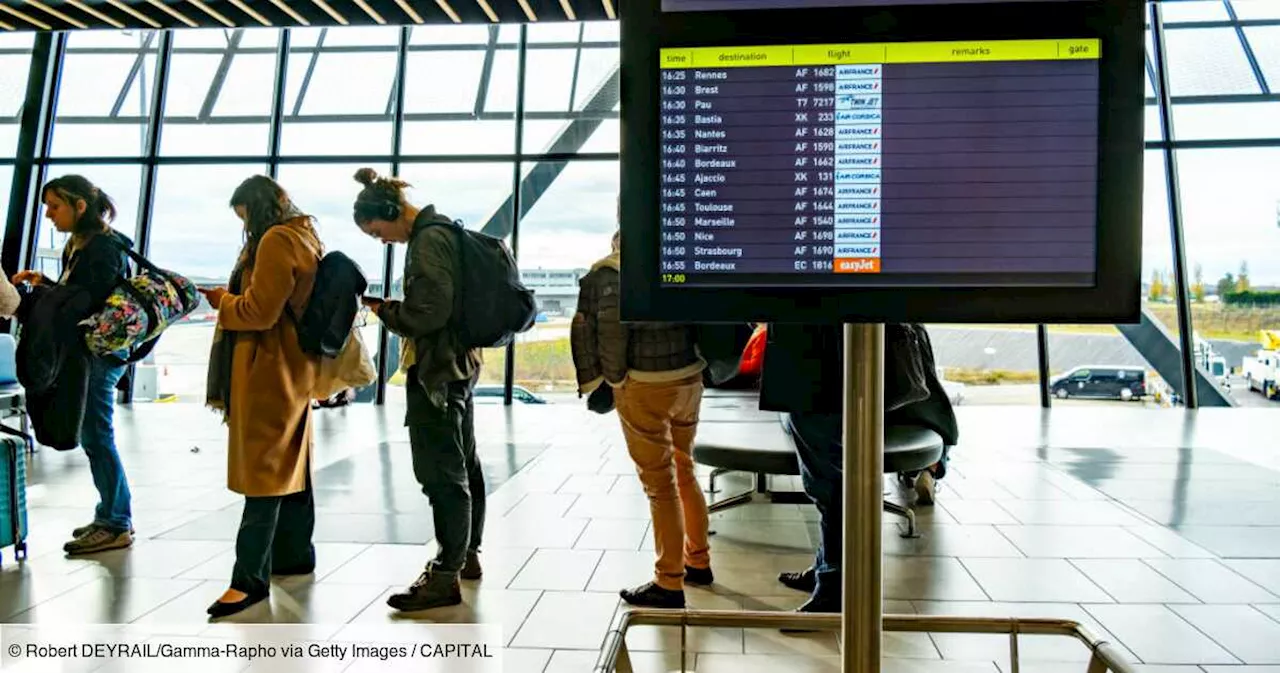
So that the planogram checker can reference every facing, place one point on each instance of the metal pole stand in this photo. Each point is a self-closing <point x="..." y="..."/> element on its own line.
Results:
<point x="861" y="603"/>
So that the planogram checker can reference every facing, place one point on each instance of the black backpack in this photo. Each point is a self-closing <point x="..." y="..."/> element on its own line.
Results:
<point x="490" y="305"/>
<point x="326" y="323"/>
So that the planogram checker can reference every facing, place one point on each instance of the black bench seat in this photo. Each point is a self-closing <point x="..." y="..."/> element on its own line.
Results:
<point x="761" y="445"/>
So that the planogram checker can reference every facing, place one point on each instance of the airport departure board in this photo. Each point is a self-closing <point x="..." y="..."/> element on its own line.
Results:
<point x="897" y="164"/>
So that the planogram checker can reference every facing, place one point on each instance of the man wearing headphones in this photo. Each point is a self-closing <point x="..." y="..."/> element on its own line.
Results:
<point x="439" y="385"/>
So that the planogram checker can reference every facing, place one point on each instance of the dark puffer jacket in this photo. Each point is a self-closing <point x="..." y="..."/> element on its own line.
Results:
<point x="605" y="350"/>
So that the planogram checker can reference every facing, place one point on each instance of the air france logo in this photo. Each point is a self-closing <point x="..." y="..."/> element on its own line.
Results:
<point x="858" y="190"/>
<point x="858" y="205"/>
<point x="854" y="87"/>
<point x="858" y="160"/>
<point x="858" y="131"/>
<point x="858" y="71"/>
<point x="858" y="250"/>
<point x="854" y="220"/>
<point x="857" y="146"/>
<point x="868" y="235"/>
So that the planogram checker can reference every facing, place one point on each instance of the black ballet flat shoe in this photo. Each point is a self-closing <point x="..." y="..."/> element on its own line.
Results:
<point x="218" y="609"/>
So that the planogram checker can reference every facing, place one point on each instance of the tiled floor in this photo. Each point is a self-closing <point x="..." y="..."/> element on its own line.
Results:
<point x="1159" y="529"/>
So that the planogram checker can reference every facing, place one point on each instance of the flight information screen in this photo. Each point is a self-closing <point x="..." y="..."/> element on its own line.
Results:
<point x="910" y="163"/>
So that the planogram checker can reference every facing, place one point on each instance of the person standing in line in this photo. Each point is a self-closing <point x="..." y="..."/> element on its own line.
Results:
<point x="93" y="260"/>
<point x="655" y="372"/>
<point x="261" y="380"/>
<point x="439" y="385"/>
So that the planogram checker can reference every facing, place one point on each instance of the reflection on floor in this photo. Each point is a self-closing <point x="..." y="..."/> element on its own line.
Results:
<point x="1158" y="528"/>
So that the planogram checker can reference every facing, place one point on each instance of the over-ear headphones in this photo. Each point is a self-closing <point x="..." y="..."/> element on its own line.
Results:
<point x="377" y="210"/>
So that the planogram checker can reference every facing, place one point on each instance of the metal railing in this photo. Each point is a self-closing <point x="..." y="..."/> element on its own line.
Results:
<point x="614" y="656"/>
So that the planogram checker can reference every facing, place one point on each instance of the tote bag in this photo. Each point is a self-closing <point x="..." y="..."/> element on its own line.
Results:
<point x="138" y="310"/>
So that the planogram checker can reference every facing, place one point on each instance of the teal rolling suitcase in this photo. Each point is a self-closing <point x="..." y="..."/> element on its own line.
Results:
<point x="13" y="492"/>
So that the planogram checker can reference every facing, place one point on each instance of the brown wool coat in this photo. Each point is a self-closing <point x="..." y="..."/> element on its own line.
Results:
<point x="269" y="442"/>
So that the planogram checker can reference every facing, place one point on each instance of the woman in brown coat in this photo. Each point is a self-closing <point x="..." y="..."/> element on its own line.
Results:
<point x="261" y="380"/>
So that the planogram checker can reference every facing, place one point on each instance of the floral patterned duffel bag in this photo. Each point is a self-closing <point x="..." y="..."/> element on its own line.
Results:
<point x="138" y="310"/>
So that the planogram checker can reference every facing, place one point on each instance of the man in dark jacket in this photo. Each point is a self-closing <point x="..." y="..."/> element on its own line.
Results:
<point x="802" y="375"/>
<point x="442" y="373"/>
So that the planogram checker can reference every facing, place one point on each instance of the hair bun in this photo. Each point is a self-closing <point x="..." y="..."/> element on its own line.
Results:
<point x="366" y="176"/>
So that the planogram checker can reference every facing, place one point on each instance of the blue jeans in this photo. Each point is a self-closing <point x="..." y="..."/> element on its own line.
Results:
<point x="97" y="438"/>
<point x="818" y="440"/>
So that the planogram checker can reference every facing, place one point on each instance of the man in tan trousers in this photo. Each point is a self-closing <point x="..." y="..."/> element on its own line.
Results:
<point x="654" y="372"/>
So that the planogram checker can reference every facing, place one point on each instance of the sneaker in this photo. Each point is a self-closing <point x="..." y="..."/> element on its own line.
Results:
<point x="650" y="595"/>
<point x="805" y="580"/>
<point x="98" y="540"/>
<point x="85" y="530"/>
<point x="430" y="590"/>
<point x="699" y="576"/>
<point x="471" y="570"/>
<point x="926" y="488"/>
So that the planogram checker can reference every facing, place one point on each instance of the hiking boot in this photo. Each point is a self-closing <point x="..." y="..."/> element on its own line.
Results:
<point x="698" y="576"/>
<point x="85" y="530"/>
<point x="650" y="595"/>
<point x="805" y="580"/>
<point x="98" y="540"/>
<point x="430" y="590"/>
<point x="471" y="570"/>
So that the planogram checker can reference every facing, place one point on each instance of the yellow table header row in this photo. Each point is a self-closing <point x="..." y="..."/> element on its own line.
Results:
<point x="892" y="52"/>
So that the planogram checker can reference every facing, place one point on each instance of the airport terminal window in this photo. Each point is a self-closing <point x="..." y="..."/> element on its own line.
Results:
<point x="564" y="232"/>
<point x="563" y="93"/>
<point x="195" y="233"/>
<point x="6" y="178"/>
<point x="1205" y="61"/>
<point x="15" y="61"/>
<point x="1231" y="211"/>
<point x="105" y="94"/>
<point x="339" y="102"/>
<point x="219" y="97"/>
<point x="460" y="100"/>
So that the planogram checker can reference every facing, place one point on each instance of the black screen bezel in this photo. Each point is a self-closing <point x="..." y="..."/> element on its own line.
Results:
<point x="1116" y="295"/>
